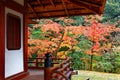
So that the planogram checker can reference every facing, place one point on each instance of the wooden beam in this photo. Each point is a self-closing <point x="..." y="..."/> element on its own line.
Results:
<point x="103" y="5"/>
<point x="40" y="3"/>
<point x="85" y="6"/>
<point x="50" y="11"/>
<point x="63" y="15"/>
<point x="64" y="5"/>
<point x="59" y="6"/>
<point x="51" y="1"/>
<point x="48" y="4"/>
<point x="62" y="12"/>
<point x="90" y="3"/>
<point x="32" y="10"/>
<point x="30" y="21"/>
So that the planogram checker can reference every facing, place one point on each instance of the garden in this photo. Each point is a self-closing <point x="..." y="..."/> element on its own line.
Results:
<point x="93" y="41"/>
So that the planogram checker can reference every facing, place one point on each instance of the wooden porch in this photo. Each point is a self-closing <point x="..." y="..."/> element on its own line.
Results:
<point x="35" y="74"/>
<point x="57" y="69"/>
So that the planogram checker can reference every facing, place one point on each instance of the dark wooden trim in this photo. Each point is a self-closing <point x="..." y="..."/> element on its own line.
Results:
<point x="90" y="2"/>
<point x="42" y="12"/>
<point x="64" y="15"/>
<point x="89" y="7"/>
<point x="2" y="1"/>
<point x="103" y="6"/>
<point x="46" y="5"/>
<point x="18" y="76"/>
<point x="15" y="6"/>
<point x="25" y="37"/>
<point x="2" y="41"/>
<point x="13" y="32"/>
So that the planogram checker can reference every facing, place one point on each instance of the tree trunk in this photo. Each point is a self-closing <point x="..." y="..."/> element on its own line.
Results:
<point x="59" y="44"/>
<point x="91" y="62"/>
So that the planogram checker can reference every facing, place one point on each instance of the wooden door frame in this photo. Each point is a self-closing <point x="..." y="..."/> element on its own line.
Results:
<point x="21" y="9"/>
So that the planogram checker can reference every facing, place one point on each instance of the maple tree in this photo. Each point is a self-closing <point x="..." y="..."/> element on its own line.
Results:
<point x="92" y="39"/>
<point x="43" y="38"/>
<point x="97" y="33"/>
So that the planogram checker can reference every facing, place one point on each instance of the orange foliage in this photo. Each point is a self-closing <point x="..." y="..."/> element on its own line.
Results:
<point x="96" y="33"/>
<point x="54" y="27"/>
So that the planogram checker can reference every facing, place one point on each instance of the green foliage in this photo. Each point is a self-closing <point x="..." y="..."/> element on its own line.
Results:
<point x="77" y="55"/>
<point x="109" y="62"/>
<point x="33" y="56"/>
<point x="64" y="48"/>
<point x="42" y="21"/>
<point x="50" y="33"/>
<point x="30" y="25"/>
<point x="37" y="34"/>
<point x="70" y="34"/>
<point x="32" y="60"/>
<point x="115" y="38"/>
<point x="112" y="11"/>
<point x="29" y="45"/>
<point x="84" y="43"/>
<point x="78" y="20"/>
<point x="61" y="22"/>
<point x="103" y="66"/>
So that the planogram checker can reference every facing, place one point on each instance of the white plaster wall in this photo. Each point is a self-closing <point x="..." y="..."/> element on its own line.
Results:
<point x="20" y="2"/>
<point x="13" y="58"/>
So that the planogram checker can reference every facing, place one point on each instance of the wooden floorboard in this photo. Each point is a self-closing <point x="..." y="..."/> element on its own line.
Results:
<point x="35" y="74"/>
<point x="34" y="77"/>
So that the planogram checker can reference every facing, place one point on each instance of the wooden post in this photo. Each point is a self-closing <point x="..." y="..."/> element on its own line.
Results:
<point x="2" y="40"/>
<point x="25" y="37"/>
<point x="36" y="63"/>
<point x="47" y="70"/>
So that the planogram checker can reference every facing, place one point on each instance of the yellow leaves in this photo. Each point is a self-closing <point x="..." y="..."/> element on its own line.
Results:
<point x="91" y="18"/>
<point x="85" y="60"/>
<point x="76" y="30"/>
<point x="88" y="52"/>
<point x="68" y="45"/>
<point x="76" y="48"/>
<point x="40" y="46"/>
<point x="32" y="50"/>
<point x="92" y="53"/>
<point x="59" y="54"/>
<point x="96" y="53"/>
<point x="62" y="54"/>
<point x="99" y="17"/>
<point x="68" y="21"/>
<point x="116" y="49"/>
<point x="106" y="47"/>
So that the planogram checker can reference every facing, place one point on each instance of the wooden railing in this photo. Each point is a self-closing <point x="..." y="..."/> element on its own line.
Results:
<point x="62" y="71"/>
<point x="54" y="68"/>
<point x="38" y="63"/>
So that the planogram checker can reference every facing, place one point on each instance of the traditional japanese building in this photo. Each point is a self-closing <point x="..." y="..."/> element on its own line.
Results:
<point x="15" y="15"/>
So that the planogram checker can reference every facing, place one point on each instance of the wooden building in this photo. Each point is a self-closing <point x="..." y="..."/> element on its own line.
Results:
<point x="14" y="18"/>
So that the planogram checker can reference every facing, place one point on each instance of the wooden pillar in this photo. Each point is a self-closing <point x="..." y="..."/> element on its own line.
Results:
<point x="2" y="40"/>
<point x="25" y="36"/>
<point x="47" y="70"/>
